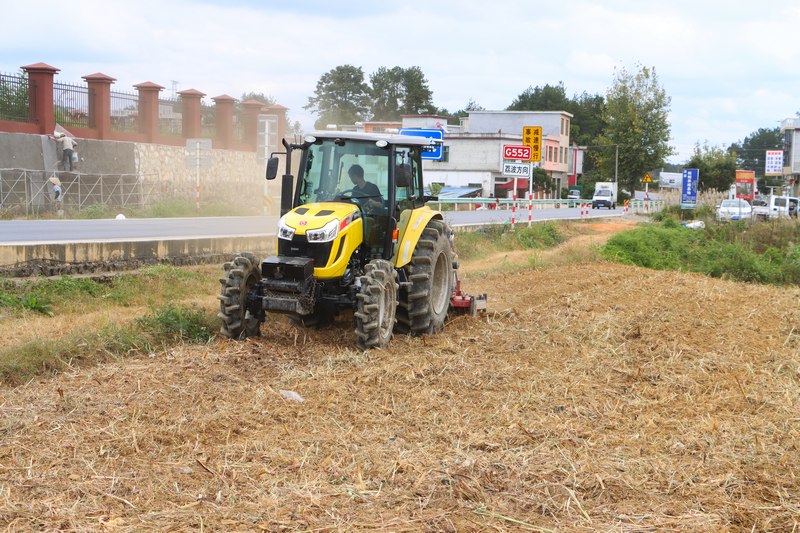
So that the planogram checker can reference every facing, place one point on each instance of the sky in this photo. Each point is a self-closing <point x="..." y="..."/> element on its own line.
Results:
<point x="730" y="67"/>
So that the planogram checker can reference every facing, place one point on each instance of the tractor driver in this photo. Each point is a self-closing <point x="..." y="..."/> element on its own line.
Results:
<point x="368" y="193"/>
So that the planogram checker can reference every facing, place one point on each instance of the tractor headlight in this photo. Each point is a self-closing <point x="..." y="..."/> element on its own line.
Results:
<point x="284" y="231"/>
<point x="326" y="233"/>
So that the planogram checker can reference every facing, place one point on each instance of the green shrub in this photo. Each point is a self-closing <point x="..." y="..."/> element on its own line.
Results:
<point x="739" y="251"/>
<point x="97" y="211"/>
<point x="541" y="235"/>
<point x="172" y="324"/>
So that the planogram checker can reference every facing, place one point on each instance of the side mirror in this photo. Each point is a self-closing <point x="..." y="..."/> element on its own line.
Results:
<point x="272" y="168"/>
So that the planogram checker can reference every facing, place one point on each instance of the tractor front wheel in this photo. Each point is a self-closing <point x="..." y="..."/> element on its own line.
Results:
<point x="241" y="276"/>
<point x="376" y="305"/>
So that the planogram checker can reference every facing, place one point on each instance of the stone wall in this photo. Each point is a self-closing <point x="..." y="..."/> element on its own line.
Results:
<point x="232" y="177"/>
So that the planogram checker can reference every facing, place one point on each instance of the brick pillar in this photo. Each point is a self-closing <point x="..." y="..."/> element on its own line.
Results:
<point x="280" y="112"/>
<point x="148" y="109"/>
<point x="100" y="105"/>
<point x="40" y="89"/>
<point x="190" y="108"/>
<point x="252" y="108"/>
<point x="224" y="120"/>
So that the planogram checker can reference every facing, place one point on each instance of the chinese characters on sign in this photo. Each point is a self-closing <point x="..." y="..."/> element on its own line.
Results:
<point x="532" y="136"/>
<point x="774" y="163"/>
<point x="689" y="189"/>
<point x="519" y="170"/>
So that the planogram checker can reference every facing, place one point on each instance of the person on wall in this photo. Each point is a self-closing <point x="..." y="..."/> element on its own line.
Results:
<point x="67" y="145"/>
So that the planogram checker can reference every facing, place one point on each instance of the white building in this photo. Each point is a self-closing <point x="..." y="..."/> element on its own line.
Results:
<point x="473" y="151"/>
<point x="790" y="128"/>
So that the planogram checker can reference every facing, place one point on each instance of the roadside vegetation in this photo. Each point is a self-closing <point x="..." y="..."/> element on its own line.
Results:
<point x="766" y="252"/>
<point x="163" y="317"/>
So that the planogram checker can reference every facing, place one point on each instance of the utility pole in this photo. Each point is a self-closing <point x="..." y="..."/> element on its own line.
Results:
<point x="616" y="161"/>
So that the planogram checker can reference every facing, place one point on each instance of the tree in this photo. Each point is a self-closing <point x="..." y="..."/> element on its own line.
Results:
<point x="586" y="109"/>
<point x="717" y="167"/>
<point x="14" y="101"/>
<point x="472" y="105"/>
<point x="398" y="91"/>
<point x="387" y="92"/>
<point x="341" y="97"/>
<point x="635" y="119"/>
<point x="259" y="97"/>
<point x="751" y="153"/>
<point x="547" y="98"/>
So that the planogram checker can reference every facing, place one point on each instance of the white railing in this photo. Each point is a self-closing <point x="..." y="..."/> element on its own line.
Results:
<point x="471" y="204"/>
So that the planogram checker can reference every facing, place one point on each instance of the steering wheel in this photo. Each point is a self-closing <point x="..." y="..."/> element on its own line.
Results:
<point x="346" y="195"/>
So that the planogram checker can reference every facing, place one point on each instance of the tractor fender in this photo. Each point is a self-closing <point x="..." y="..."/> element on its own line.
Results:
<point x="410" y="226"/>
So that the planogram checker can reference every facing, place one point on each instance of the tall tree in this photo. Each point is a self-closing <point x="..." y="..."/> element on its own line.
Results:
<point x="751" y="152"/>
<point x="717" y="167"/>
<point x="387" y="92"/>
<point x="341" y="97"/>
<point x="400" y="91"/>
<point x="636" y="120"/>
<point x="547" y="98"/>
<point x="417" y="97"/>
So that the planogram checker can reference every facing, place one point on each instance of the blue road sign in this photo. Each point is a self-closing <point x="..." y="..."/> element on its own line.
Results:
<point x="434" y="150"/>
<point x="689" y="188"/>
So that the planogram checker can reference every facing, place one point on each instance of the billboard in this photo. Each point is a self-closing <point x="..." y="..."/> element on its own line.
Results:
<point x="670" y="180"/>
<point x="746" y="184"/>
<point x="773" y="164"/>
<point x="690" y="179"/>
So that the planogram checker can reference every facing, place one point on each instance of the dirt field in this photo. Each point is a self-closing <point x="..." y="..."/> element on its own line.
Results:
<point x="593" y="397"/>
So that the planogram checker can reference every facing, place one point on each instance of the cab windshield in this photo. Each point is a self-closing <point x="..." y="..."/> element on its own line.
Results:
<point x="331" y="163"/>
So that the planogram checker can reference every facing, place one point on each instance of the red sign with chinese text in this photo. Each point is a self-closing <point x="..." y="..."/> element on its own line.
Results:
<point x="513" y="151"/>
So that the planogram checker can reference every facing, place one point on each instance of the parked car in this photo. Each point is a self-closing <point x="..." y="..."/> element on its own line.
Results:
<point x="736" y="209"/>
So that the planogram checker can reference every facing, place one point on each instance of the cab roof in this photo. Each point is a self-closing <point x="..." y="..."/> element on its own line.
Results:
<point x="391" y="138"/>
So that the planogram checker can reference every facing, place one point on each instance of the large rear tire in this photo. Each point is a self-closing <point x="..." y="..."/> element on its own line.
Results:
<point x="423" y="307"/>
<point x="241" y="275"/>
<point x="376" y="305"/>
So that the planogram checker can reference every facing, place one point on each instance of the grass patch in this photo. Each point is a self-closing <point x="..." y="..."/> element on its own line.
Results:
<point x="162" y="327"/>
<point x="762" y="253"/>
<point x="494" y="239"/>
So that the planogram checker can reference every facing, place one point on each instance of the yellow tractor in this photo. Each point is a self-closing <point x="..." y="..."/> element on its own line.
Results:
<point x="355" y="233"/>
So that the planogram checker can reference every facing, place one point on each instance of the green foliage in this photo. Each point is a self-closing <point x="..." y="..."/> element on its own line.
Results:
<point x="494" y="239"/>
<point x="14" y="99"/>
<point x="172" y="324"/>
<point x="96" y="212"/>
<point x="341" y="97"/>
<point x="542" y="235"/>
<point x="546" y="98"/>
<point x="30" y="301"/>
<point x="636" y="119"/>
<point x="717" y="168"/>
<point x="399" y="91"/>
<point x="740" y="251"/>
<point x="163" y="327"/>
<point x="751" y="152"/>
<point x="586" y="109"/>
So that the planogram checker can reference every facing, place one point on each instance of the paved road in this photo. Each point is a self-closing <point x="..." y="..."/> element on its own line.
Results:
<point x="66" y="231"/>
<point x="61" y="231"/>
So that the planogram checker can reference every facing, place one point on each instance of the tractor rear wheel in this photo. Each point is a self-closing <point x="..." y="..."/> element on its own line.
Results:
<point x="376" y="305"/>
<point x="422" y="307"/>
<point x="241" y="276"/>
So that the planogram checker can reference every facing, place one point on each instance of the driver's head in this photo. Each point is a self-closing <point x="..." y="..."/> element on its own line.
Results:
<point x="356" y="173"/>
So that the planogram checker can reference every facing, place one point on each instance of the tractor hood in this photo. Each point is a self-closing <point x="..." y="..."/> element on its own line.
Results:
<point x="315" y="216"/>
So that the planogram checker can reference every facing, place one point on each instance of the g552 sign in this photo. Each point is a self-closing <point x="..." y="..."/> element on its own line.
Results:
<point x="512" y="151"/>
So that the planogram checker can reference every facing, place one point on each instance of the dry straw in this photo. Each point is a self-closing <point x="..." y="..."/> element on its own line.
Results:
<point x="594" y="397"/>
